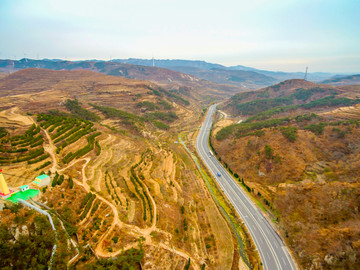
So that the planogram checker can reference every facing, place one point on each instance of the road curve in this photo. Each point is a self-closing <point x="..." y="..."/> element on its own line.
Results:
<point x="273" y="252"/>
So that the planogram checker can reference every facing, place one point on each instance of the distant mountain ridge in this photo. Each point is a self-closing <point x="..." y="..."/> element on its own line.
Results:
<point x="171" y="80"/>
<point x="168" y="72"/>
<point x="239" y="76"/>
<point x="178" y="65"/>
<point x="167" y="63"/>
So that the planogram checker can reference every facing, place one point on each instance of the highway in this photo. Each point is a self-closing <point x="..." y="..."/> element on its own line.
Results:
<point x="273" y="252"/>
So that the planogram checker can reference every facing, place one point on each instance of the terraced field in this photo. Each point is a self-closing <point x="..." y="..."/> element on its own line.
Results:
<point x="120" y="181"/>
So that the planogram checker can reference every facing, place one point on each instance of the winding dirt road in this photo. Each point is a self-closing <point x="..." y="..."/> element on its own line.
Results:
<point x="133" y="229"/>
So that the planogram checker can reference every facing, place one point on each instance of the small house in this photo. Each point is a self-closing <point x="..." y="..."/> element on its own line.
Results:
<point x="42" y="180"/>
<point x="24" y="188"/>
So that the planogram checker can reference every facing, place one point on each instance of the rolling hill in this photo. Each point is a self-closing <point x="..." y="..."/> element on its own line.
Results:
<point x="287" y="96"/>
<point x="211" y="72"/>
<point x="295" y="151"/>
<point x="194" y="67"/>
<point x="214" y="78"/>
<point x="169" y="79"/>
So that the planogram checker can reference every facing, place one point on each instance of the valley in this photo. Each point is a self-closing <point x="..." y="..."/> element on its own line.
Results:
<point x="124" y="186"/>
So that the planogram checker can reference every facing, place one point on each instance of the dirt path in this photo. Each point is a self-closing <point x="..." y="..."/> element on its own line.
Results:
<point x="116" y="220"/>
<point x="13" y="115"/>
<point x="88" y="214"/>
<point x="136" y="231"/>
<point x="51" y="149"/>
<point x="107" y="157"/>
<point x="132" y="229"/>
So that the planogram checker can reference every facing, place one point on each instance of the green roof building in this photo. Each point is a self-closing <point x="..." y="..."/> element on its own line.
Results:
<point x="42" y="180"/>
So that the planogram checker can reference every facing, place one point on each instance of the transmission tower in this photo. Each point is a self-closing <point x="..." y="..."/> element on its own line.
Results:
<point x="305" y="77"/>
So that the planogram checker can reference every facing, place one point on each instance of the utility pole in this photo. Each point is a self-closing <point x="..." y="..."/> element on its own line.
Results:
<point x="305" y="77"/>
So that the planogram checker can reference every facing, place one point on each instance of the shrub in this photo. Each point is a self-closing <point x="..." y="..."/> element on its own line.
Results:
<point x="147" y="105"/>
<point x="115" y="239"/>
<point x="75" y="107"/>
<point x="161" y="125"/>
<point x="60" y="180"/>
<point x="290" y="133"/>
<point x="244" y="129"/>
<point x="71" y="183"/>
<point x="316" y="128"/>
<point x="268" y="151"/>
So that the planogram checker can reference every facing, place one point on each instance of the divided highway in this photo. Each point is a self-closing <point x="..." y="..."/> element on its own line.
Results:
<point x="273" y="253"/>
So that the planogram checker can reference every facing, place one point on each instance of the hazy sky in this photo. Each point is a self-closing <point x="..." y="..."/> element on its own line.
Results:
<point x="268" y="34"/>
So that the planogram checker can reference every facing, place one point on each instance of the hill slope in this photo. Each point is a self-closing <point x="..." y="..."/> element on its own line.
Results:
<point x="296" y="151"/>
<point x="287" y="96"/>
<point x="244" y="79"/>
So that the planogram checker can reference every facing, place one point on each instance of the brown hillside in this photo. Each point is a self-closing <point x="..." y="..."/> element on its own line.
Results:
<point x="48" y="89"/>
<point x="36" y="80"/>
<point x="287" y="93"/>
<point x="278" y="90"/>
<point x="306" y="173"/>
<point x="171" y="80"/>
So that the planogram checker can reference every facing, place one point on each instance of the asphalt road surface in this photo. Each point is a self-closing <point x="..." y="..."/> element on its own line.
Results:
<point x="273" y="252"/>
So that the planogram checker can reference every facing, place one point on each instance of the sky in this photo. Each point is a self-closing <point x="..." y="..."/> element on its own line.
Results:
<point x="285" y="35"/>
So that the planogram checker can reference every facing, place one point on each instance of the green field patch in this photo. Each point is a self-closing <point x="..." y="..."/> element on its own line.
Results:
<point x="30" y="193"/>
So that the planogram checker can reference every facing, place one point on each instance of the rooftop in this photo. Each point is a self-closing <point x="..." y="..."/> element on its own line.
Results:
<point x="30" y="193"/>
<point x="41" y="177"/>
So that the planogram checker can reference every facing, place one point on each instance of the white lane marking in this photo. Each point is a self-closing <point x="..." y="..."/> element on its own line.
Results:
<point x="241" y="199"/>
<point x="245" y="208"/>
<point x="288" y="256"/>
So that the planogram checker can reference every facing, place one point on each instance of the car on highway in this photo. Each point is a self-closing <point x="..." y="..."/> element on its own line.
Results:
<point x="218" y="174"/>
